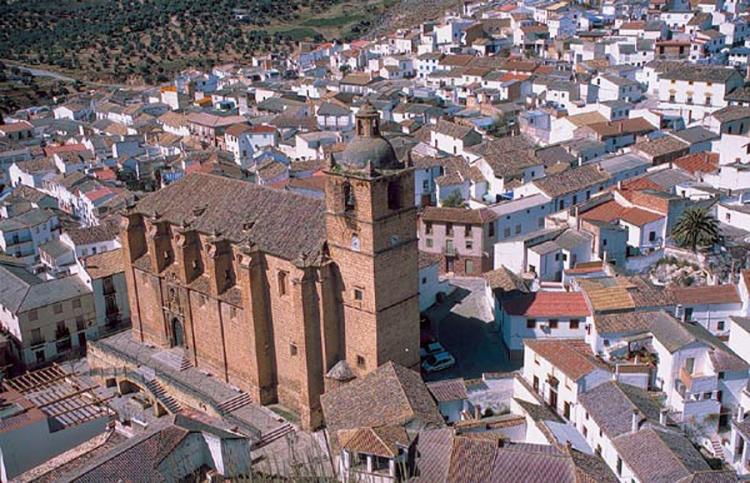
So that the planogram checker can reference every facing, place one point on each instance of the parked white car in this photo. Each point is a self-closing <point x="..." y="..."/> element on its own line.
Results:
<point x="438" y="361"/>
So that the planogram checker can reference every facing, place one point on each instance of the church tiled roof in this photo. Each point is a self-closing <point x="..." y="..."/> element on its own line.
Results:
<point x="280" y="223"/>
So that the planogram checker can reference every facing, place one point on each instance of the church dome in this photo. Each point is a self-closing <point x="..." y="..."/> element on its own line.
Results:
<point x="369" y="147"/>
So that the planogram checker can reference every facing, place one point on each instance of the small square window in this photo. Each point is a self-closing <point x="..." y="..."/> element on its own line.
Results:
<point x="553" y="323"/>
<point x="33" y="315"/>
<point x="57" y="308"/>
<point x="361" y="362"/>
<point x="76" y="303"/>
<point x="292" y="349"/>
<point x="574" y="324"/>
<point x="358" y="294"/>
<point x="530" y="323"/>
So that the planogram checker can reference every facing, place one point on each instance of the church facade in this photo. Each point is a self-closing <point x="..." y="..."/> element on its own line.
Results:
<point x="280" y="295"/>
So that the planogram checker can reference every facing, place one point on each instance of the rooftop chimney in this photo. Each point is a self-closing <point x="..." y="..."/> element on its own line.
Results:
<point x="636" y="420"/>
<point x="663" y="416"/>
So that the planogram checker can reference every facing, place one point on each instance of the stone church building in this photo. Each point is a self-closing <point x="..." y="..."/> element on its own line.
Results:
<point x="281" y="295"/>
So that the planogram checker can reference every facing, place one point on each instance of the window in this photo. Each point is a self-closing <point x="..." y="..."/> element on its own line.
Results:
<point x="506" y="232"/>
<point x="467" y="231"/>
<point x="57" y="308"/>
<point x="80" y="324"/>
<point x="36" y="336"/>
<point x="491" y="228"/>
<point x="518" y="229"/>
<point x="469" y="266"/>
<point x="619" y="466"/>
<point x="469" y="244"/>
<point x="358" y="294"/>
<point x="394" y="195"/>
<point x="292" y="349"/>
<point x="689" y="100"/>
<point x="355" y="243"/>
<point x="652" y="236"/>
<point x="428" y="242"/>
<point x="530" y="323"/>
<point x="553" y="323"/>
<point x="360" y="362"/>
<point x="671" y="98"/>
<point x="689" y="365"/>
<point x="585" y="432"/>
<point x="720" y="325"/>
<point x="281" y="280"/>
<point x="449" y="229"/>
<point x="424" y="280"/>
<point x="536" y="383"/>
<point x="721" y="375"/>
<point x="574" y="324"/>
<point x="39" y="356"/>
<point x="428" y="228"/>
<point x="33" y="315"/>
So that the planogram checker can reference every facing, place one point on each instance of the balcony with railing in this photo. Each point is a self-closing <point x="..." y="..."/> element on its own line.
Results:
<point x="698" y="383"/>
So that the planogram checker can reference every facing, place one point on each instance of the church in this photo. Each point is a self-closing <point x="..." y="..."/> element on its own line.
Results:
<point x="280" y="295"/>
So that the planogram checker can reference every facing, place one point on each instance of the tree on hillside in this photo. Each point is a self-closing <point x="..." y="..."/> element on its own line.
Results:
<point x="696" y="229"/>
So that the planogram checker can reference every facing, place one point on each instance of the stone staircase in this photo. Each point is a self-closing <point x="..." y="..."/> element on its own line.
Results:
<point x="234" y="403"/>
<point x="185" y="363"/>
<point x="274" y="434"/>
<point x="163" y="396"/>
<point x="716" y="447"/>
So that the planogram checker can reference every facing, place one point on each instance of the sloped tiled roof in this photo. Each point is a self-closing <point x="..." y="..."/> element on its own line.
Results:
<point x="573" y="357"/>
<point x="279" y="222"/>
<point x="548" y="304"/>
<point x="390" y="395"/>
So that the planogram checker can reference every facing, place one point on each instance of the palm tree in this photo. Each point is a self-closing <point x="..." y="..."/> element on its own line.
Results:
<point x="696" y="228"/>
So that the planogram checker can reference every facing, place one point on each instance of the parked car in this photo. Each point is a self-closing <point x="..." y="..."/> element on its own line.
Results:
<point x="431" y="348"/>
<point x="438" y="361"/>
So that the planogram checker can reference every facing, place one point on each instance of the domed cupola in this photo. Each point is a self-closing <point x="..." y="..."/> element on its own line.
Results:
<point x="369" y="150"/>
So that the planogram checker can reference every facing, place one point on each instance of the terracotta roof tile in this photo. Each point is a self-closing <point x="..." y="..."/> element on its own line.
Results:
<point x="571" y="356"/>
<point x="548" y="304"/>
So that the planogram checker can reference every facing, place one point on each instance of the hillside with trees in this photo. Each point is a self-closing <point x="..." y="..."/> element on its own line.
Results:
<point x="149" y="40"/>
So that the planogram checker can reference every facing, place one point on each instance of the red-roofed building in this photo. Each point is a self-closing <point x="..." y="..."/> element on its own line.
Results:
<point x="64" y="148"/>
<point x="710" y="306"/>
<point x="543" y="314"/>
<point x="698" y="163"/>
<point x="645" y="227"/>
<point x="559" y="370"/>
